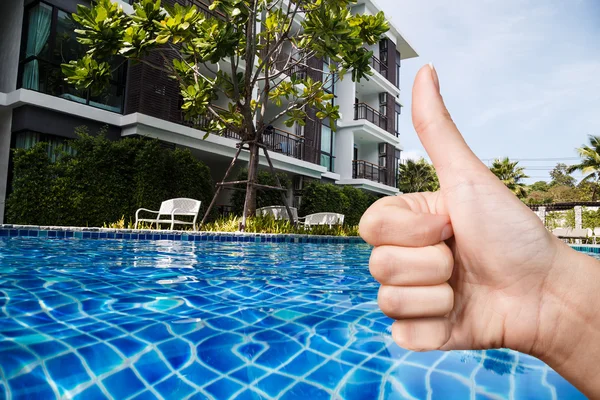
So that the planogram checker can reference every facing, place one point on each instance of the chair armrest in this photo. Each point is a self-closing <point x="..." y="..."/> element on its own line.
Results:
<point x="144" y="209"/>
<point x="173" y="213"/>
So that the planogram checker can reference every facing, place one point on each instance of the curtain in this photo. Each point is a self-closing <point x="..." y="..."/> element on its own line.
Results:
<point x="40" y="19"/>
<point x="27" y="140"/>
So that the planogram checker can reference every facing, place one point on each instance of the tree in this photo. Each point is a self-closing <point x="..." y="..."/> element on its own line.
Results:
<point x="247" y="52"/>
<point x="417" y="176"/>
<point x="561" y="176"/>
<point x="590" y="164"/>
<point x="511" y="175"/>
<point x="539" y="186"/>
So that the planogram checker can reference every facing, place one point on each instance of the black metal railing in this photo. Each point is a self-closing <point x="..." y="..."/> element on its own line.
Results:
<point x="364" y="111"/>
<point x="203" y="7"/>
<point x="276" y="140"/>
<point x="284" y="142"/>
<point x="367" y="170"/>
<point x="291" y="67"/>
<point x="202" y="122"/>
<point x="379" y="66"/>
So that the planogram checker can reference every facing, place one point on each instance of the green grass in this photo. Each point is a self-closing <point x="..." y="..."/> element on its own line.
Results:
<point x="253" y="225"/>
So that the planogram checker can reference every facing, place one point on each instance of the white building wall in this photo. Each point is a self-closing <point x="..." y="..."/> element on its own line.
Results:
<point x="368" y="152"/>
<point x="10" y="42"/>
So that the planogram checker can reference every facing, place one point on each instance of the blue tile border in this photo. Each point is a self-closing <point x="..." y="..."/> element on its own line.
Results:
<point x="54" y="232"/>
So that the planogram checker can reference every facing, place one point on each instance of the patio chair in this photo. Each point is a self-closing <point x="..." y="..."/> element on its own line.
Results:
<point x="324" y="218"/>
<point x="572" y="234"/>
<point x="595" y="235"/>
<point x="277" y="212"/>
<point x="170" y="209"/>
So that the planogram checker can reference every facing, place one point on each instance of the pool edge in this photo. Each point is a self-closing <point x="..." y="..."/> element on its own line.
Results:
<point x="64" y="232"/>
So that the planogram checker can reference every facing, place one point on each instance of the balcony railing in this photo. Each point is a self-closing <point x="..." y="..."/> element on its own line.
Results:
<point x="276" y="140"/>
<point x="202" y="5"/>
<point x="284" y="142"/>
<point x="379" y="66"/>
<point x="364" y="111"/>
<point x="366" y="170"/>
<point x="297" y="68"/>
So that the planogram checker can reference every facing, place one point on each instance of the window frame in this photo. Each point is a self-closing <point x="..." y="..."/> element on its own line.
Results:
<point x="330" y="167"/>
<point x="119" y="84"/>
<point x="397" y="114"/>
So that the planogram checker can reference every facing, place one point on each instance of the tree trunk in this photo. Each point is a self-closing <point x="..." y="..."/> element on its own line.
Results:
<point x="250" y="201"/>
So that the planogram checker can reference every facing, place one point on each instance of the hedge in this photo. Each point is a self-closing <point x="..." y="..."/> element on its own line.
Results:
<point x="326" y="197"/>
<point x="102" y="182"/>
<point x="264" y="198"/>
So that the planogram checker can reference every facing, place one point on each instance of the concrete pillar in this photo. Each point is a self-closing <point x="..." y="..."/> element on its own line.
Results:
<point x="346" y="93"/>
<point x="5" y="132"/>
<point x="578" y="217"/>
<point x="344" y="152"/>
<point x="542" y="214"/>
<point x="10" y="45"/>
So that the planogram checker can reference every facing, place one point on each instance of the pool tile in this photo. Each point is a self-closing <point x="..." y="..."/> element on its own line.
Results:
<point x="67" y="372"/>
<point x="123" y="384"/>
<point x="223" y="389"/>
<point x="100" y="358"/>
<point x="152" y="368"/>
<point x="174" y="388"/>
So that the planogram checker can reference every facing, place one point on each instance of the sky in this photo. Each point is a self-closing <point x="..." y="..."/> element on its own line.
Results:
<point x="521" y="78"/>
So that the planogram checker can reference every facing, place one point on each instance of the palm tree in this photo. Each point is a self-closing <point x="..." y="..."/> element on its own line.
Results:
<point x="417" y="176"/>
<point x="590" y="163"/>
<point x="511" y="175"/>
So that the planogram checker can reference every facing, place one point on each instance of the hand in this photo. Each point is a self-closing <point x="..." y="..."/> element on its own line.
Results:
<point x="470" y="266"/>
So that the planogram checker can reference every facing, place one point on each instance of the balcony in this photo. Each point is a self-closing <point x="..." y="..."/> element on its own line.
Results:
<point x="379" y="66"/>
<point x="364" y="111"/>
<point x="277" y="140"/>
<point x="367" y="170"/>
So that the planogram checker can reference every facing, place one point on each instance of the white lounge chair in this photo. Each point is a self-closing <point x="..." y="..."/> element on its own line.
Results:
<point x="278" y="212"/>
<point x="324" y="218"/>
<point x="171" y="208"/>
<point x="572" y="234"/>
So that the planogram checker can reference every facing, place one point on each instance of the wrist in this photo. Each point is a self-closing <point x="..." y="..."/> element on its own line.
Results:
<point x="569" y="319"/>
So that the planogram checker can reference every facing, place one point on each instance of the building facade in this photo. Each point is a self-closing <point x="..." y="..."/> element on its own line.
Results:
<point x="37" y="105"/>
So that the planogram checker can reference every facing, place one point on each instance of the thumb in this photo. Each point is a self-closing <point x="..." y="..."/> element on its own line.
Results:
<point x="450" y="154"/>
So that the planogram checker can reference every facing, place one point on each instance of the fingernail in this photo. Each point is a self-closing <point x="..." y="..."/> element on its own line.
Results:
<point x="434" y="75"/>
<point x="447" y="232"/>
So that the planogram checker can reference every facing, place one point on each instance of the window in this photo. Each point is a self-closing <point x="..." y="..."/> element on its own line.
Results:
<point x="329" y="86"/>
<point x="383" y="100"/>
<point x="396" y="167"/>
<point x="327" y="146"/>
<point x="27" y="139"/>
<point x="397" y="69"/>
<point x="383" y="51"/>
<point x="50" y="40"/>
<point x="397" y="113"/>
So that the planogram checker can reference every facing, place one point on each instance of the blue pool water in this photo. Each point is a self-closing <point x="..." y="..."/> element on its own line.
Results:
<point x="96" y="319"/>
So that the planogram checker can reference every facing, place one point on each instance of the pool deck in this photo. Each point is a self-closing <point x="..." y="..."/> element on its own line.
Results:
<point x="68" y="232"/>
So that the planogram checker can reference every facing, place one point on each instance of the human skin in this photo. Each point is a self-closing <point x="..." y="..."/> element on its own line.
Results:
<point x="472" y="267"/>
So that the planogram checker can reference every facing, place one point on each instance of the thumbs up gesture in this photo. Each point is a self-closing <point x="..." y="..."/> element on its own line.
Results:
<point x="472" y="267"/>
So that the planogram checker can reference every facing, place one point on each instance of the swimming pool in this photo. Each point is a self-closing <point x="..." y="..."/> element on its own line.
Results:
<point x="94" y="319"/>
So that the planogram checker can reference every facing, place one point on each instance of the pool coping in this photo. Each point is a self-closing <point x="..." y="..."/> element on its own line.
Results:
<point x="70" y="232"/>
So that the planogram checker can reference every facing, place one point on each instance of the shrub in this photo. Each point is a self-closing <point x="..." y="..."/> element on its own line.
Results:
<point x="103" y="181"/>
<point x="264" y="198"/>
<point x="326" y="197"/>
<point x="269" y="225"/>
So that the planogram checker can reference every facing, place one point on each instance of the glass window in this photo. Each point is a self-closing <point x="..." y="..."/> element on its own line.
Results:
<point x="327" y="146"/>
<point x="330" y="80"/>
<point x="55" y="144"/>
<point x="51" y="40"/>
<point x="39" y="21"/>
<point x="397" y="113"/>
<point x="398" y="69"/>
